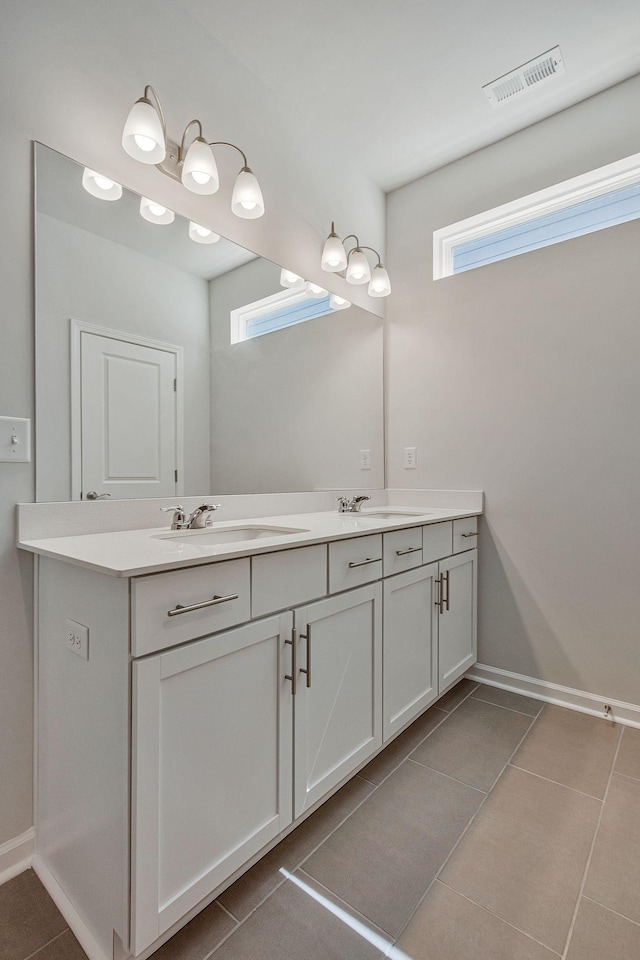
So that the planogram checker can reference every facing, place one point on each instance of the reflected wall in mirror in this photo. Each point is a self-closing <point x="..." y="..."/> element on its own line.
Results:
<point x="140" y="391"/>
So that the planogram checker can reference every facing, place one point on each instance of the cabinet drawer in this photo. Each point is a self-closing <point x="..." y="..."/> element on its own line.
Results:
<point x="287" y="578"/>
<point x="156" y="620"/>
<point x="437" y="541"/>
<point x="402" y="550"/>
<point x="465" y="534"/>
<point x="352" y="562"/>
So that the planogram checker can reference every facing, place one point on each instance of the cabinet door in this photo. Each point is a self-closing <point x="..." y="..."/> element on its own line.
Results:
<point x="410" y="647"/>
<point x="457" y="647"/>
<point x="337" y="706"/>
<point x="211" y="779"/>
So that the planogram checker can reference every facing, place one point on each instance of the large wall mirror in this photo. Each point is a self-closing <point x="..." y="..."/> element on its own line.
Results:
<point x="140" y="391"/>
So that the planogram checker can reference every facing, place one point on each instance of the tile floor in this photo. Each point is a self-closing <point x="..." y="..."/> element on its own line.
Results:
<point x="492" y="829"/>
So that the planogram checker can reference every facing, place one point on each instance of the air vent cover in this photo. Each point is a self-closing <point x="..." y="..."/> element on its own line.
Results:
<point x="539" y="70"/>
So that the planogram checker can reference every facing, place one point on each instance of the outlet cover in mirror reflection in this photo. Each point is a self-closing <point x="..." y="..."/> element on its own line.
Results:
<point x="289" y="411"/>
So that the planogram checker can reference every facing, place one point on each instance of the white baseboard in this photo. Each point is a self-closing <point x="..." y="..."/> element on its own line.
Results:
<point x="16" y="855"/>
<point x="580" y="700"/>
<point x="82" y="933"/>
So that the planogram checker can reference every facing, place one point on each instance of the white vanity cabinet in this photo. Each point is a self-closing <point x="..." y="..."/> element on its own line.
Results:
<point x="211" y="767"/>
<point x="337" y="702"/>
<point x="222" y="702"/>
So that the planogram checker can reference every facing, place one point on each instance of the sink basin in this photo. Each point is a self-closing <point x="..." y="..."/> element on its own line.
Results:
<point x="209" y="536"/>
<point x="393" y="514"/>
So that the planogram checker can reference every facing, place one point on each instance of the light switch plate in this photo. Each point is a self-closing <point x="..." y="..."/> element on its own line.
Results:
<point x="15" y="440"/>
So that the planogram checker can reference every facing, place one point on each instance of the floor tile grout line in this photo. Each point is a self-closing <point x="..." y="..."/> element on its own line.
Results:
<point x="558" y="783"/>
<point x="463" y="783"/>
<point x="592" y="848"/>
<point x="47" y="944"/>
<point x="445" y="717"/>
<point x="616" y="913"/>
<point x="226" y="910"/>
<point x="473" y="696"/>
<point x="501" y="919"/>
<point x="471" y="821"/>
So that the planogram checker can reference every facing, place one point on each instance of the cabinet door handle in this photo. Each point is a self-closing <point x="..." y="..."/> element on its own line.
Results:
<point x="401" y="553"/>
<point x="307" y="636"/>
<point x="445" y="579"/>
<point x="469" y="534"/>
<point x="438" y="583"/>
<point x="215" y="600"/>
<point x="362" y="563"/>
<point x="293" y="643"/>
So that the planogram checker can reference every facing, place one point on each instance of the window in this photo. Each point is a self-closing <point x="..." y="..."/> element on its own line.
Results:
<point x="593" y="201"/>
<point x="276" y="312"/>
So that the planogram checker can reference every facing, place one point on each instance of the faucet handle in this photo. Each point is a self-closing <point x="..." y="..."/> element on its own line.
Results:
<point x="343" y="504"/>
<point x="169" y="509"/>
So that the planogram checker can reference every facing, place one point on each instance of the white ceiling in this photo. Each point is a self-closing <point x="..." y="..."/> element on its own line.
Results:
<point x="397" y="83"/>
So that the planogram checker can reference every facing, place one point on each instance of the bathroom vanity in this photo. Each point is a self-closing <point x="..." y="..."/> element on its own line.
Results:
<point x="197" y="699"/>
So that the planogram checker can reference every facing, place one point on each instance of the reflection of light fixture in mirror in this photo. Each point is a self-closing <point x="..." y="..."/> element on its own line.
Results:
<point x="338" y="303"/>
<point x="289" y="279"/>
<point x="194" y="164"/>
<point x="202" y="234"/>
<point x="335" y="258"/>
<point x="155" y="212"/>
<point x="144" y="134"/>
<point x="100" y="186"/>
<point x="314" y="291"/>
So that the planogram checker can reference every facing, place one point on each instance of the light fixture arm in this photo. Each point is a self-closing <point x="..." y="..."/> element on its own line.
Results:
<point x="181" y="150"/>
<point x="225" y="143"/>
<point x="147" y="90"/>
<point x="379" y="263"/>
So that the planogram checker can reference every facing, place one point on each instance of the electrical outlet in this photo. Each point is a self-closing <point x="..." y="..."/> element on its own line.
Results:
<point x="365" y="459"/>
<point x="410" y="458"/>
<point x="77" y="639"/>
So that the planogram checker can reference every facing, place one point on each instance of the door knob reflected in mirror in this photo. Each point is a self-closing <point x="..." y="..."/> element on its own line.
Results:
<point x="92" y="495"/>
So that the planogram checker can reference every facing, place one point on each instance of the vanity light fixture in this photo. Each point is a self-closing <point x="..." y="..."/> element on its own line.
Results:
<point x="155" y="212"/>
<point x="289" y="279"/>
<point x="100" y="186"/>
<point x="338" y="303"/>
<point x="192" y="163"/>
<point x="202" y="234"/>
<point x="335" y="258"/>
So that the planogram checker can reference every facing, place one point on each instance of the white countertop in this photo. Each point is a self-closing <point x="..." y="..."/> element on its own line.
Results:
<point x="129" y="553"/>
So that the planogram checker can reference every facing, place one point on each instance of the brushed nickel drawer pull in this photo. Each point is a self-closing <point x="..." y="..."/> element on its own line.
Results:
<point x="215" y="600"/>
<point x="469" y="534"/>
<point x="293" y="643"/>
<point x="362" y="563"/>
<point x="445" y="579"/>
<point x="307" y="636"/>
<point x="401" y="553"/>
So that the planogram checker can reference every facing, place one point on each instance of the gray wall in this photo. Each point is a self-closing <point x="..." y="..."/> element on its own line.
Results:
<point x="69" y="73"/>
<point x="301" y="402"/>
<point x="85" y="277"/>
<point x="521" y="378"/>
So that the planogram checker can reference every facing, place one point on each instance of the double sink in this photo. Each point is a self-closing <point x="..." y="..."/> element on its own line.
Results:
<point x="209" y="536"/>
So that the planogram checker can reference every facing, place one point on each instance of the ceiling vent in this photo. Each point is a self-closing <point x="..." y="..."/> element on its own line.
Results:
<point x="512" y="85"/>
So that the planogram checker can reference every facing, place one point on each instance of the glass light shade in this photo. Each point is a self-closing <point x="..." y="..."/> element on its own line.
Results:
<point x="358" y="270"/>
<point x="202" y="234"/>
<point x="155" y="212"/>
<point x="380" y="285"/>
<point x="314" y="291"/>
<point x="289" y="279"/>
<point x="199" y="170"/>
<point x="338" y="303"/>
<point x="334" y="256"/>
<point x="99" y="186"/>
<point x="246" y="201"/>
<point x="143" y="137"/>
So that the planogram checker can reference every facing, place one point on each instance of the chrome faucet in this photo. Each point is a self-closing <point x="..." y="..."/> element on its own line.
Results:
<point x="351" y="506"/>
<point x="198" y="520"/>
